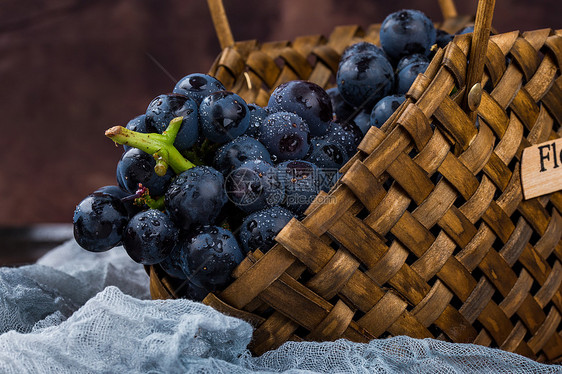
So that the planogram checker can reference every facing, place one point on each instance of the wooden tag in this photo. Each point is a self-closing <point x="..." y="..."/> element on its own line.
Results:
<point x="541" y="169"/>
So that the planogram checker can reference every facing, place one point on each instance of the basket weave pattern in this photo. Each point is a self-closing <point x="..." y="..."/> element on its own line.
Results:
<point x="427" y="233"/>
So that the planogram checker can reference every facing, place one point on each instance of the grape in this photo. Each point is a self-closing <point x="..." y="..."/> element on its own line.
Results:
<point x="126" y="198"/>
<point x="407" y="32"/>
<point x="285" y="135"/>
<point x="443" y="38"/>
<point x="172" y="264"/>
<point x="346" y="134"/>
<point x="113" y="190"/>
<point x="260" y="228"/>
<point x="385" y="108"/>
<point x="254" y="185"/>
<point x="99" y="221"/>
<point x="188" y="133"/>
<point x="137" y="167"/>
<point x="257" y="116"/>
<point x="176" y="268"/>
<point x="196" y="196"/>
<point x="362" y="121"/>
<point x="364" y="78"/>
<point x="303" y="181"/>
<point x="233" y="154"/>
<point x="465" y="30"/>
<point x="223" y="116"/>
<point x="210" y="254"/>
<point x="342" y="110"/>
<point x="194" y="292"/>
<point x="468" y="30"/>
<point x="164" y="108"/>
<point x="150" y="237"/>
<point x="408" y="75"/>
<point x="137" y="124"/>
<point x="410" y="59"/>
<point x="361" y="47"/>
<point x="327" y="154"/>
<point x="197" y="86"/>
<point x="307" y="100"/>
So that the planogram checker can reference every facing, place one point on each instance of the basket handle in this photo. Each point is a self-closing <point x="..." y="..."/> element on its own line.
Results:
<point x="478" y="50"/>
<point x="222" y="27"/>
<point x="224" y="32"/>
<point x="448" y="9"/>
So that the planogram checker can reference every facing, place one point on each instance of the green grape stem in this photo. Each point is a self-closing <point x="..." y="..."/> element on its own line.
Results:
<point x="161" y="146"/>
<point x="142" y="198"/>
<point x="153" y="203"/>
<point x="156" y="204"/>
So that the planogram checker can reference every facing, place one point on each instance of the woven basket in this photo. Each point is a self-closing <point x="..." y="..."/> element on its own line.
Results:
<point x="427" y="233"/>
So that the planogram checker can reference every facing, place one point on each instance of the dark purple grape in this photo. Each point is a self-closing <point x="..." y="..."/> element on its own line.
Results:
<point x="361" y="47"/>
<point x="410" y="59"/>
<point x="193" y="292"/>
<point x="223" y="116"/>
<point x="385" y="108"/>
<point x="260" y="228"/>
<point x="188" y="133"/>
<point x="233" y="154"/>
<point x="99" y="221"/>
<point x="285" y="135"/>
<point x="327" y="154"/>
<point x="137" y="124"/>
<point x="112" y="190"/>
<point x="407" y="32"/>
<point x="346" y="134"/>
<point x="342" y="110"/>
<point x="176" y="268"/>
<point x="150" y="237"/>
<point x="197" y="86"/>
<point x="443" y="38"/>
<point x="465" y="30"/>
<point x="408" y="75"/>
<point x="361" y="121"/>
<point x="364" y="78"/>
<point x="468" y="30"/>
<point x="254" y="185"/>
<point x="303" y="181"/>
<point x="164" y="108"/>
<point x="305" y="99"/>
<point x="136" y="166"/>
<point x="257" y="116"/>
<point x="126" y="198"/>
<point x="210" y="254"/>
<point x="172" y="264"/>
<point x="195" y="197"/>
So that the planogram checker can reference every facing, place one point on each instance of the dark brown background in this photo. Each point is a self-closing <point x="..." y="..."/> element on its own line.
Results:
<point x="69" y="69"/>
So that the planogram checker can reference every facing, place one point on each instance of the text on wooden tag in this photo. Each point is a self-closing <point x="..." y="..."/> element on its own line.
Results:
<point x="541" y="169"/>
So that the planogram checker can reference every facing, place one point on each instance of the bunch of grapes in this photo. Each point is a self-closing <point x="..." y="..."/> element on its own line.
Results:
<point x="206" y="178"/>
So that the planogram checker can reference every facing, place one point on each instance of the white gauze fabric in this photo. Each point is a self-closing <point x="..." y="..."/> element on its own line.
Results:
<point x="81" y="312"/>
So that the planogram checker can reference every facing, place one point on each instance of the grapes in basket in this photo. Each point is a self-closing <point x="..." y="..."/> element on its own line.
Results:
<point x="206" y="177"/>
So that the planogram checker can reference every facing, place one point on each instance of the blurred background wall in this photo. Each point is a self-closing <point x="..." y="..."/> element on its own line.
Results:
<point x="69" y="69"/>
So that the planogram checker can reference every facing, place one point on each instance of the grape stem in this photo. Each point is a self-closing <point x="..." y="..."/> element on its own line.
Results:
<point x="145" y="199"/>
<point x="161" y="146"/>
<point x="142" y="197"/>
